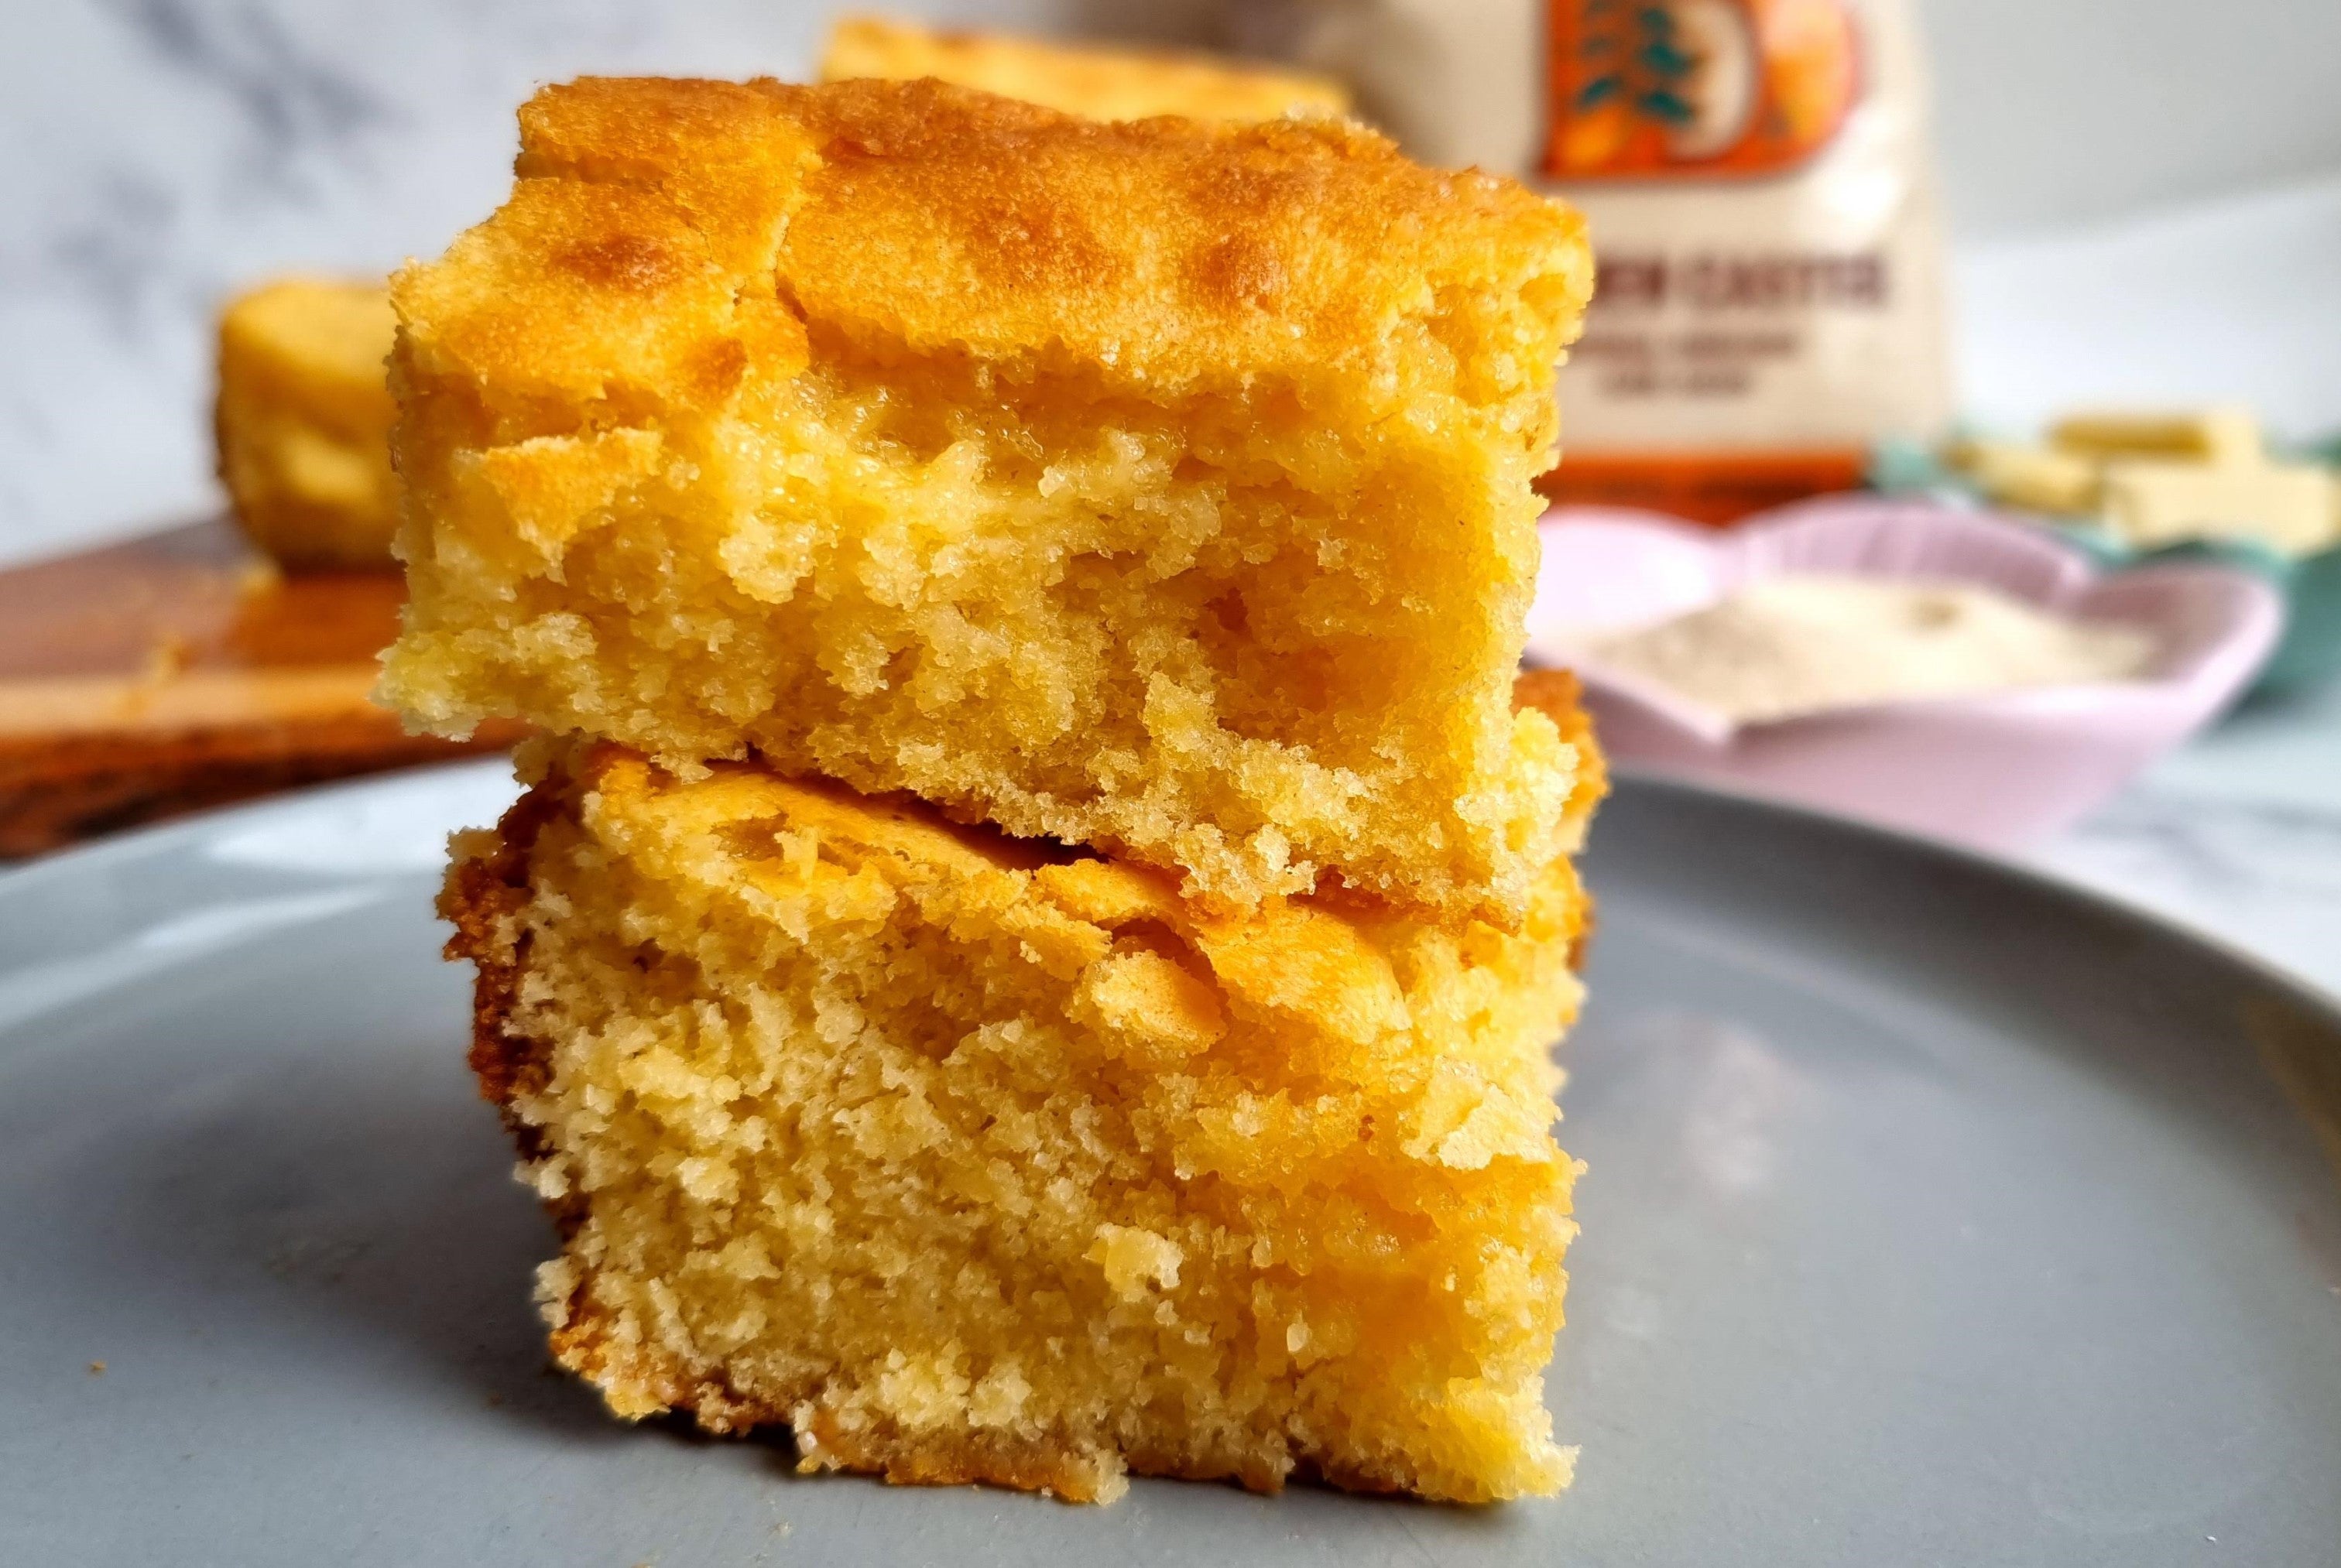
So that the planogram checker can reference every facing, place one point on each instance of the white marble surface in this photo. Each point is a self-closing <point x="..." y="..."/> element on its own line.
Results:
<point x="2239" y="834"/>
<point x="161" y="153"/>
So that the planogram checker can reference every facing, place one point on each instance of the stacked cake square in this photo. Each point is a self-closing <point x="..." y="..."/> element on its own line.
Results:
<point x="1033" y="941"/>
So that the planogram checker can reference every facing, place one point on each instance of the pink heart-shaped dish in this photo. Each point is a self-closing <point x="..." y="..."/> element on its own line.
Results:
<point x="1995" y="771"/>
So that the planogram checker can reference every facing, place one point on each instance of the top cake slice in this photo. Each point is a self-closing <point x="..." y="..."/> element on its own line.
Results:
<point x="1155" y="486"/>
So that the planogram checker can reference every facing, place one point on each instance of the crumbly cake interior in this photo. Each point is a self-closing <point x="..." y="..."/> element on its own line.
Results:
<point x="1157" y="487"/>
<point x="302" y="420"/>
<point x="970" y="1158"/>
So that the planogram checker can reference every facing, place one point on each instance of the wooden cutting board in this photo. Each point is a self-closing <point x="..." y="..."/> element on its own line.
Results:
<point x="178" y="671"/>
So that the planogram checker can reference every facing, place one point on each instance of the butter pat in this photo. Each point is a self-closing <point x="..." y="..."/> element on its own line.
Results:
<point x="2226" y="435"/>
<point x="2035" y="478"/>
<point x="2291" y="506"/>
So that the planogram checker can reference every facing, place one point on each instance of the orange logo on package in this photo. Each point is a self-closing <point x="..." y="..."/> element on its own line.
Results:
<point x="1695" y="89"/>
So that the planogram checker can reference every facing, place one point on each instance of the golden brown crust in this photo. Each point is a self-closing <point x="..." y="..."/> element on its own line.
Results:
<point x="651" y="211"/>
<point x="1087" y="79"/>
<point x="482" y="893"/>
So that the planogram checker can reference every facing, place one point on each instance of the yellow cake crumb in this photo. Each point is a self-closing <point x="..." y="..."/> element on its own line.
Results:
<point x="975" y="1158"/>
<point x="1159" y="487"/>
<point x="303" y="420"/>
<point x="1096" y="81"/>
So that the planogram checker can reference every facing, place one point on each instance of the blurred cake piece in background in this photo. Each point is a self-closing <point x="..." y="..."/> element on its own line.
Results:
<point x="1099" y="83"/>
<point x="303" y="420"/>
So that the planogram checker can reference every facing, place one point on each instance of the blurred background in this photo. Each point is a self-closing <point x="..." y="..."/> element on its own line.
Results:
<point x="2144" y="196"/>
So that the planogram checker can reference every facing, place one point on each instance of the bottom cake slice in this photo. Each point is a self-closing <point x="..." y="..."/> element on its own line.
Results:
<point x="971" y="1160"/>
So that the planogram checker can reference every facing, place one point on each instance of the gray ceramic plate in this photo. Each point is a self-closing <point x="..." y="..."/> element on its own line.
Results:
<point x="1935" y="1214"/>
